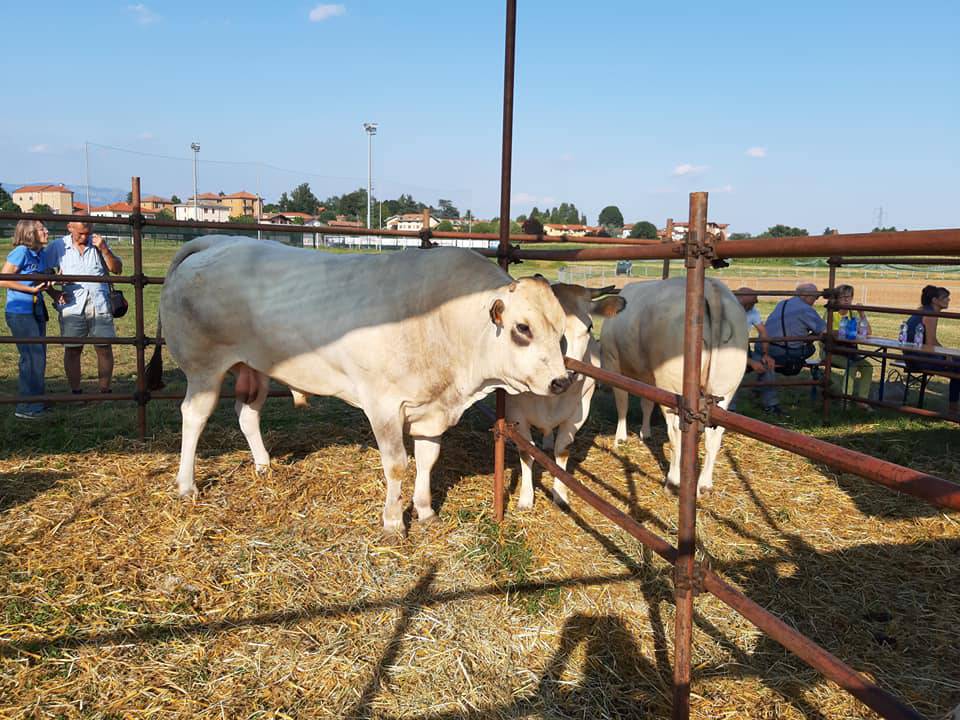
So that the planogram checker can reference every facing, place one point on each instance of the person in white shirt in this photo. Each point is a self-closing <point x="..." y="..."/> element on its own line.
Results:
<point x="758" y="357"/>
<point x="85" y="306"/>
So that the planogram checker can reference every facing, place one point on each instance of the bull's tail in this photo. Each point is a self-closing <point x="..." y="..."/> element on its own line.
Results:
<point x="155" y="366"/>
<point x="154" y="370"/>
<point x="719" y="322"/>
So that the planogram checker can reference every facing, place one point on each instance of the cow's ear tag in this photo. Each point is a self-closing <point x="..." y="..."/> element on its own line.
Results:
<point x="496" y="312"/>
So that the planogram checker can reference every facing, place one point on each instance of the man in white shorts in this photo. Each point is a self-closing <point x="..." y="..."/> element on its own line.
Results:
<point x="85" y="307"/>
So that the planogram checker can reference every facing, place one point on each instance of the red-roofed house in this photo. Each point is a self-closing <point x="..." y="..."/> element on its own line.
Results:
<point x="121" y="210"/>
<point x="58" y="197"/>
<point x="155" y="202"/>
<point x="680" y="231"/>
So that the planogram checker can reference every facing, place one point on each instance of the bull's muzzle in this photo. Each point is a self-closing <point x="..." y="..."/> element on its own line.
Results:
<point x="558" y="385"/>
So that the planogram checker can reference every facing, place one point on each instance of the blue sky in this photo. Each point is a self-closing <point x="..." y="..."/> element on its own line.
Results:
<point x="809" y="114"/>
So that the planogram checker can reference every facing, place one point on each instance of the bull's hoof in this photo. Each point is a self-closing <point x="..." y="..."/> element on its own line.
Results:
<point x="187" y="493"/>
<point x="561" y="504"/>
<point x="524" y="504"/>
<point x="392" y="538"/>
<point x="704" y="492"/>
<point x="672" y="489"/>
<point x="261" y="470"/>
<point x="431" y="519"/>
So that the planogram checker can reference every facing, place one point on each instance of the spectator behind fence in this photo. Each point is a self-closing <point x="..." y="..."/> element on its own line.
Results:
<point x="933" y="299"/>
<point x="792" y="317"/>
<point x="26" y="313"/>
<point x="860" y="369"/>
<point x="85" y="307"/>
<point x="758" y="356"/>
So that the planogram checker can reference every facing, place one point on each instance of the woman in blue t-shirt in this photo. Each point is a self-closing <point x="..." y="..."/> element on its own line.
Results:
<point x="26" y="313"/>
<point x="933" y="299"/>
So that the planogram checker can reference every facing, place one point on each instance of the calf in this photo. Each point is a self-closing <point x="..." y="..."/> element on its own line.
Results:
<point x="564" y="413"/>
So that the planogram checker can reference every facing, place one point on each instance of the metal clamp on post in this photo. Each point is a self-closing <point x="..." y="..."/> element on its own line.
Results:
<point x="510" y="255"/>
<point x="497" y="433"/>
<point x="684" y="583"/>
<point x="701" y="414"/>
<point x="425" y="242"/>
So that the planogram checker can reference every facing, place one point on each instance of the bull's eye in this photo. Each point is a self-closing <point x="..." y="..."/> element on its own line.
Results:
<point x="524" y="330"/>
<point x="563" y="344"/>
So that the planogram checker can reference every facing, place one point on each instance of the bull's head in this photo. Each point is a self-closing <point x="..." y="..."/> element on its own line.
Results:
<point x="530" y="325"/>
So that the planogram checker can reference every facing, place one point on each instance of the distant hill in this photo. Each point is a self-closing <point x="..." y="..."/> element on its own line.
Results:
<point x="98" y="195"/>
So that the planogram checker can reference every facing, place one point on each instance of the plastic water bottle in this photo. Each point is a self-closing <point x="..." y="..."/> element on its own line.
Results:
<point x="902" y="338"/>
<point x="918" y="335"/>
<point x="861" y="328"/>
<point x="844" y="321"/>
<point x="852" y="328"/>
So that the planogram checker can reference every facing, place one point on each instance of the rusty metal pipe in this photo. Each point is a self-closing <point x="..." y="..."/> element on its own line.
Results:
<point x="506" y="161"/>
<point x="141" y="394"/>
<point x="689" y="444"/>
<point x="894" y="261"/>
<point x="909" y="410"/>
<point x="898" y="311"/>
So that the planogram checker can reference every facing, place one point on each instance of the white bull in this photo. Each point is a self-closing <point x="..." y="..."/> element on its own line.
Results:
<point x="411" y="338"/>
<point x="566" y="412"/>
<point x="646" y="342"/>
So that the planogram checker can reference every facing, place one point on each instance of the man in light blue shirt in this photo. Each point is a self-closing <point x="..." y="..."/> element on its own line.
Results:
<point x="85" y="307"/>
<point x="792" y="317"/>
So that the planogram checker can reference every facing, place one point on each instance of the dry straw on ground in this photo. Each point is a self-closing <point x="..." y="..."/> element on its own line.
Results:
<point x="273" y="597"/>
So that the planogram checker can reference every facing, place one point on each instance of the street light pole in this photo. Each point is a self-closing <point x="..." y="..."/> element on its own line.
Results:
<point x="371" y="129"/>
<point x="196" y="152"/>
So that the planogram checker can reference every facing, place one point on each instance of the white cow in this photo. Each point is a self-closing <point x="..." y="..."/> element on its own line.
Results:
<point x="566" y="412"/>
<point x="646" y="343"/>
<point x="411" y="338"/>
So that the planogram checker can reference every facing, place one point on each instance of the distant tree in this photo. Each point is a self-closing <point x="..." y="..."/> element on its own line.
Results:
<point x="644" y="229"/>
<point x="165" y="214"/>
<point x="532" y="226"/>
<point x="283" y="204"/>
<point x="828" y="230"/>
<point x="175" y="200"/>
<point x="535" y="213"/>
<point x="6" y="202"/>
<point x="885" y="229"/>
<point x="297" y="220"/>
<point x="610" y="216"/>
<point x="778" y="231"/>
<point x="302" y="200"/>
<point x="243" y="219"/>
<point x="42" y="209"/>
<point x="583" y="219"/>
<point x="447" y="210"/>
<point x="326" y="215"/>
<point x="482" y="226"/>
<point x="444" y="226"/>
<point x="129" y="196"/>
<point x="468" y="215"/>
<point x="271" y="208"/>
<point x="565" y="214"/>
<point x="740" y="236"/>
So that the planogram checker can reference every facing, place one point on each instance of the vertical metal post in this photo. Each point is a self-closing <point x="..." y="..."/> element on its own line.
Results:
<point x="666" y="261"/>
<point x="828" y="343"/>
<point x="136" y="220"/>
<point x="499" y="452"/>
<point x="687" y="528"/>
<point x="86" y="169"/>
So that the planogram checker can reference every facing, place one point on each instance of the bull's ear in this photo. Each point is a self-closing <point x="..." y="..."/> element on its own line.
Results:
<point x="609" y="306"/>
<point x="608" y="290"/>
<point x="496" y="312"/>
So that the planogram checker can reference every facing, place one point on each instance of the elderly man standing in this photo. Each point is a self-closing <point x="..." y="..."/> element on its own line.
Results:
<point x="792" y="317"/>
<point x="85" y="306"/>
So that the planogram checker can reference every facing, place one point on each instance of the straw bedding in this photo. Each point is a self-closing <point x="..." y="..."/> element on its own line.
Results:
<point x="274" y="597"/>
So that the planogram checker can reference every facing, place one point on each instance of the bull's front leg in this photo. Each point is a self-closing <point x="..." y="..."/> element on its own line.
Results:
<point x="674" y="433"/>
<point x="525" y="500"/>
<point x="712" y="437"/>
<point x="425" y="451"/>
<point x="393" y="456"/>
<point x="622" y="399"/>
<point x="565" y="435"/>
<point x="646" y="406"/>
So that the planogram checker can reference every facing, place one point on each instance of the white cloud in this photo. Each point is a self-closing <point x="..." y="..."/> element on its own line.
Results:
<point x="547" y="200"/>
<point x="145" y="135"/>
<point x="325" y="12"/>
<point x="39" y="148"/>
<point x="688" y="169"/>
<point x="524" y="198"/>
<point x="142" y="14"/>
<point x="722" y="189"/>
<point x="757" y="152"/>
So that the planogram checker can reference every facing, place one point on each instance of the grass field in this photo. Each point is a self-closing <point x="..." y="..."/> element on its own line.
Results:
<point x="273" y="598"/>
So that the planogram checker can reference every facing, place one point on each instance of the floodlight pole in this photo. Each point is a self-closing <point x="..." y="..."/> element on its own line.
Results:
<point x="371" y="130"/>
<point x="196" y="152"/>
